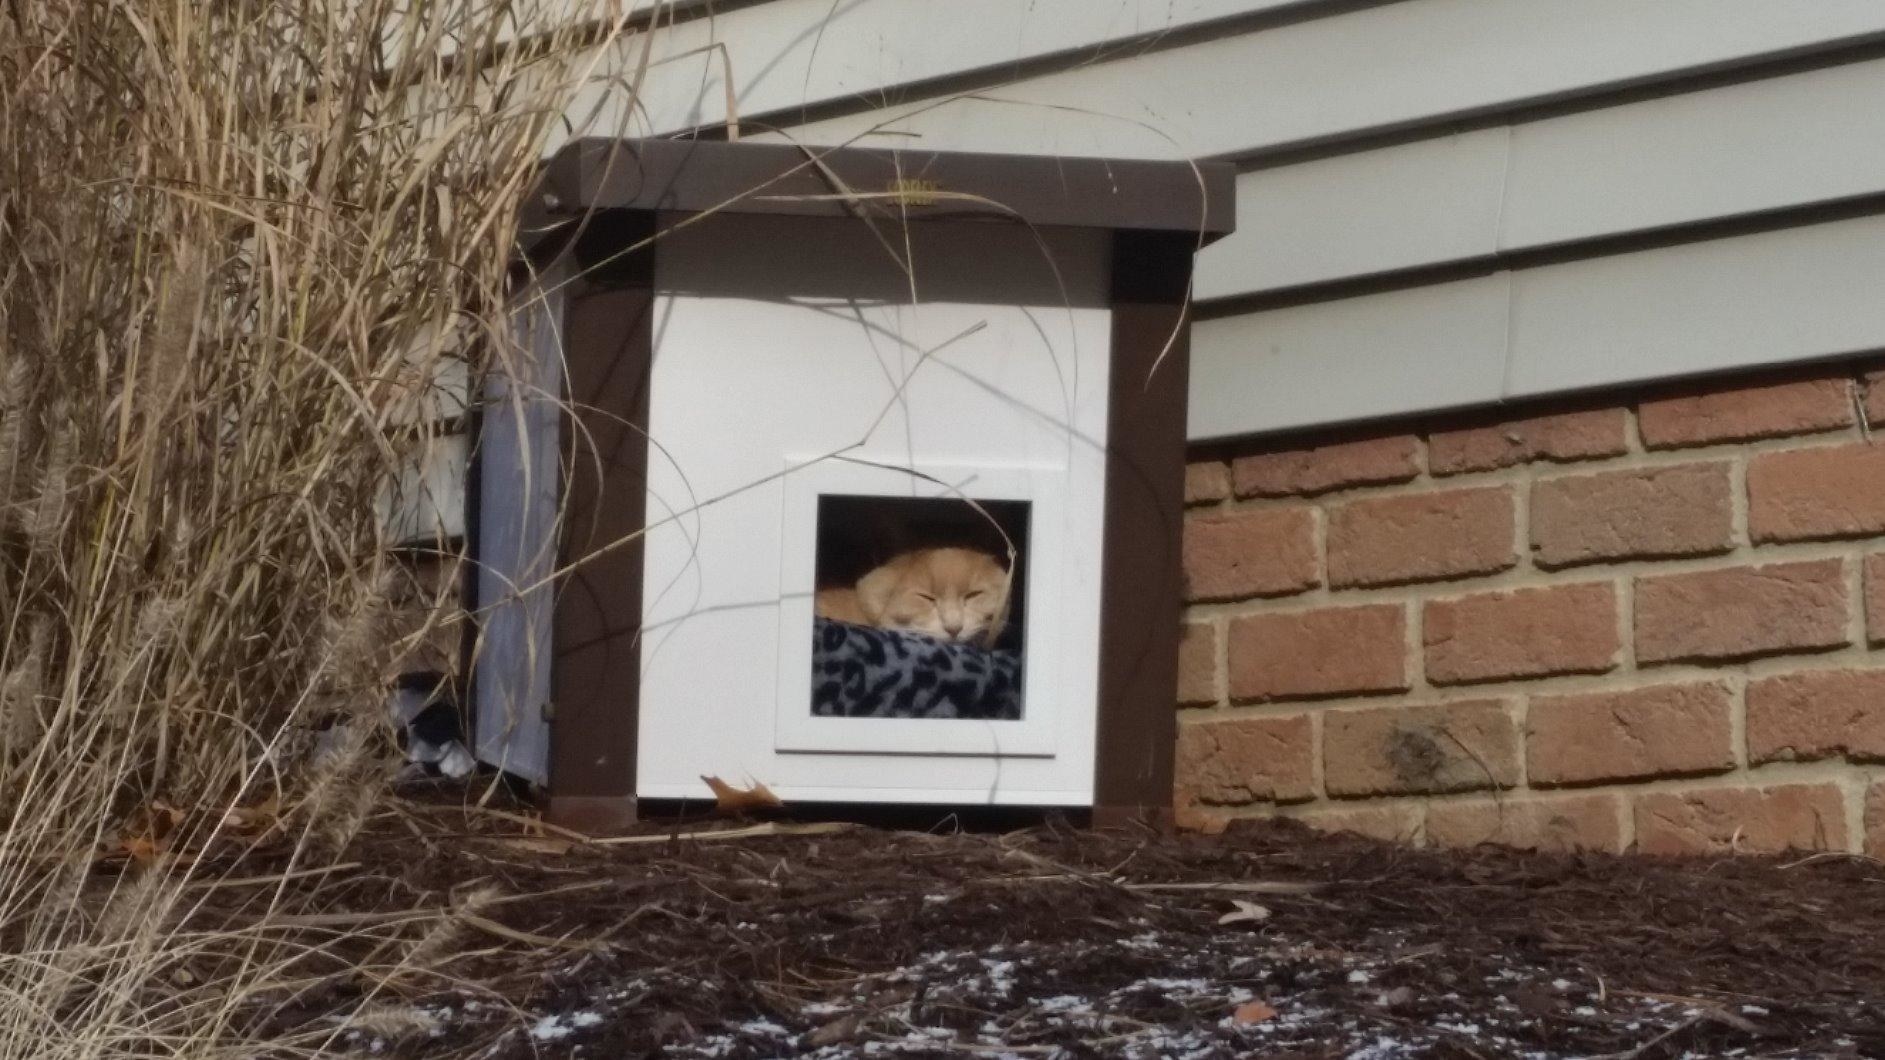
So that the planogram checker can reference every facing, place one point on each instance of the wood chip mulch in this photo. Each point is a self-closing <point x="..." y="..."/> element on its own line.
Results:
<point x="1050" y="941"/>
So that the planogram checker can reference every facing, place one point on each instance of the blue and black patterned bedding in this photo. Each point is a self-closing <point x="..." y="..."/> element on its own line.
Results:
<point x="861" y="672"/>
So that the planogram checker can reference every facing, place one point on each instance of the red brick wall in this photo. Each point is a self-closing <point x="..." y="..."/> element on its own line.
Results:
<point x="1657" y="624"/>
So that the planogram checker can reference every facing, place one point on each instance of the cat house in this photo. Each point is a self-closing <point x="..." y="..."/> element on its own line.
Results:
<point x="854" y="473"/>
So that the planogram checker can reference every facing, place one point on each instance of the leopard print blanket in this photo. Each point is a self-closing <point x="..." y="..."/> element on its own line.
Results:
<point x="860" y="672"/>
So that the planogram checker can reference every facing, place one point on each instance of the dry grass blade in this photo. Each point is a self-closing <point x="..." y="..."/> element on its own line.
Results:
<point x="770" y="828"/>
<point x="238" y="236"/>
<point x="1233" y="886"/>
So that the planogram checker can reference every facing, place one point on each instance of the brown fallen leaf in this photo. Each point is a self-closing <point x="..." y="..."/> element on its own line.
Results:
<point x="1253" y="1012"/>
<point x="141" y="849"/>
<point x="729" y="799"/>
<point x="149" y="832"/>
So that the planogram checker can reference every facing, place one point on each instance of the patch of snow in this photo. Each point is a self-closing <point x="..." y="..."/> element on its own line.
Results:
<point x="823" y="1008"/>
<point x="1383" y="1048"/>
<point x="1000" y="976"/>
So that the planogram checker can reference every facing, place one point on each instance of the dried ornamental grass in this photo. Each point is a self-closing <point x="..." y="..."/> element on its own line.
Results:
<point x="231" y="236"/>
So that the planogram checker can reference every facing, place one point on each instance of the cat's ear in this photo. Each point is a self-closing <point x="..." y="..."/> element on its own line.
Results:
<point x="875" y="589"/>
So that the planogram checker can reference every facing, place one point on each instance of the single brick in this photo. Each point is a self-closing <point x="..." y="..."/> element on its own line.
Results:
<point x="1875" y="820"/>
<point x="1564" y="629"/>
<point x="1395" y="823"/>
<point x="1817" y="714"/>
<point x="1206" y="481"/>
<point x="1423" y="537"/>
<point x="1266" y="552"/>
<point x="1370" y="462"/>
<point x="1875" y="598"/>
<point x="1819" y="493"/>
<point x="1637" y="514"/>
<point x="1746" y="820"/>
<point x="1664" y="730"/>
<point x="1577" y="822"/>
<point x="1419" y="750"/>
<point x="1563" y="437"/>
<point x="1332" y="651"/>
<point x="1745" y="413"/>
<point x="1243" y="760"/>
<point x="1197" y="664"/>
<point x="1741" y="612"/>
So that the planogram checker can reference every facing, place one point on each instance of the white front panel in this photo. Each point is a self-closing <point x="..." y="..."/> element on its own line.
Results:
<point x="748" y="384"/>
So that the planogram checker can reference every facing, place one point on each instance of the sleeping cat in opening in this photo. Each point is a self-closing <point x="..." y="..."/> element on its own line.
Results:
<point x="952" y="594"/>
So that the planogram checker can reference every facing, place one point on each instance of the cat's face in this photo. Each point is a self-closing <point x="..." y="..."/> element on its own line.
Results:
<point x="953" y="594"/>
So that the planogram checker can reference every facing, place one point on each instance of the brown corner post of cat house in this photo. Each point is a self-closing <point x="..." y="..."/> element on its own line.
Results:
<point x="644" y="610"/>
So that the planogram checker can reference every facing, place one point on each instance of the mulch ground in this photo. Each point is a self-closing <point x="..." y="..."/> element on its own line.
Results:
<point x="1267" y="941"/>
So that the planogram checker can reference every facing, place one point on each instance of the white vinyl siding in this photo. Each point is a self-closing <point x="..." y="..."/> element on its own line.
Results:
<point x="1392" y="66"/>
<point x="1408" y="165"/>
<point x="1750" y="148"/>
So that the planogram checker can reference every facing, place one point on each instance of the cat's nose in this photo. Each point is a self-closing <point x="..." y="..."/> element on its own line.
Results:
<point x="952" y="626"/>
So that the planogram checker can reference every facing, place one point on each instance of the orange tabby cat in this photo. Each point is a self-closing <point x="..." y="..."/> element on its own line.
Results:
<point x="954" y="594"/>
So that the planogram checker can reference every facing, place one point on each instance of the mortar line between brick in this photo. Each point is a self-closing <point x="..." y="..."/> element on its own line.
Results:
<point x="1738" y="502"/>
<point x="1524" y="578"/>
<point x="1414" y="657"/>
<point x="1522" y="718"/>
<point x="1320" y="793"/>
<point x="1773" y="775"/>
<point x="1546" y="469"/>
<point x="1852" y="795"/>
<point x="1853" y="567"/>
<point x="1626" y="625"/>
<point x="1220" y="661"/>
<point x="1319" y="541"/>
<point x="1567" y="684"/>
<point x="1738" y="718"/>
<point x="1522" y="522"/>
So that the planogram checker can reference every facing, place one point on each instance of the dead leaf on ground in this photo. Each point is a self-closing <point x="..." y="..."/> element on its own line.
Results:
<point x="141" y="849"/>
<point x="148" y="832"/>
<point x="1253" y="1012"/>
<point x="1245" y="912"/>
<point x="729" y="799"/>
